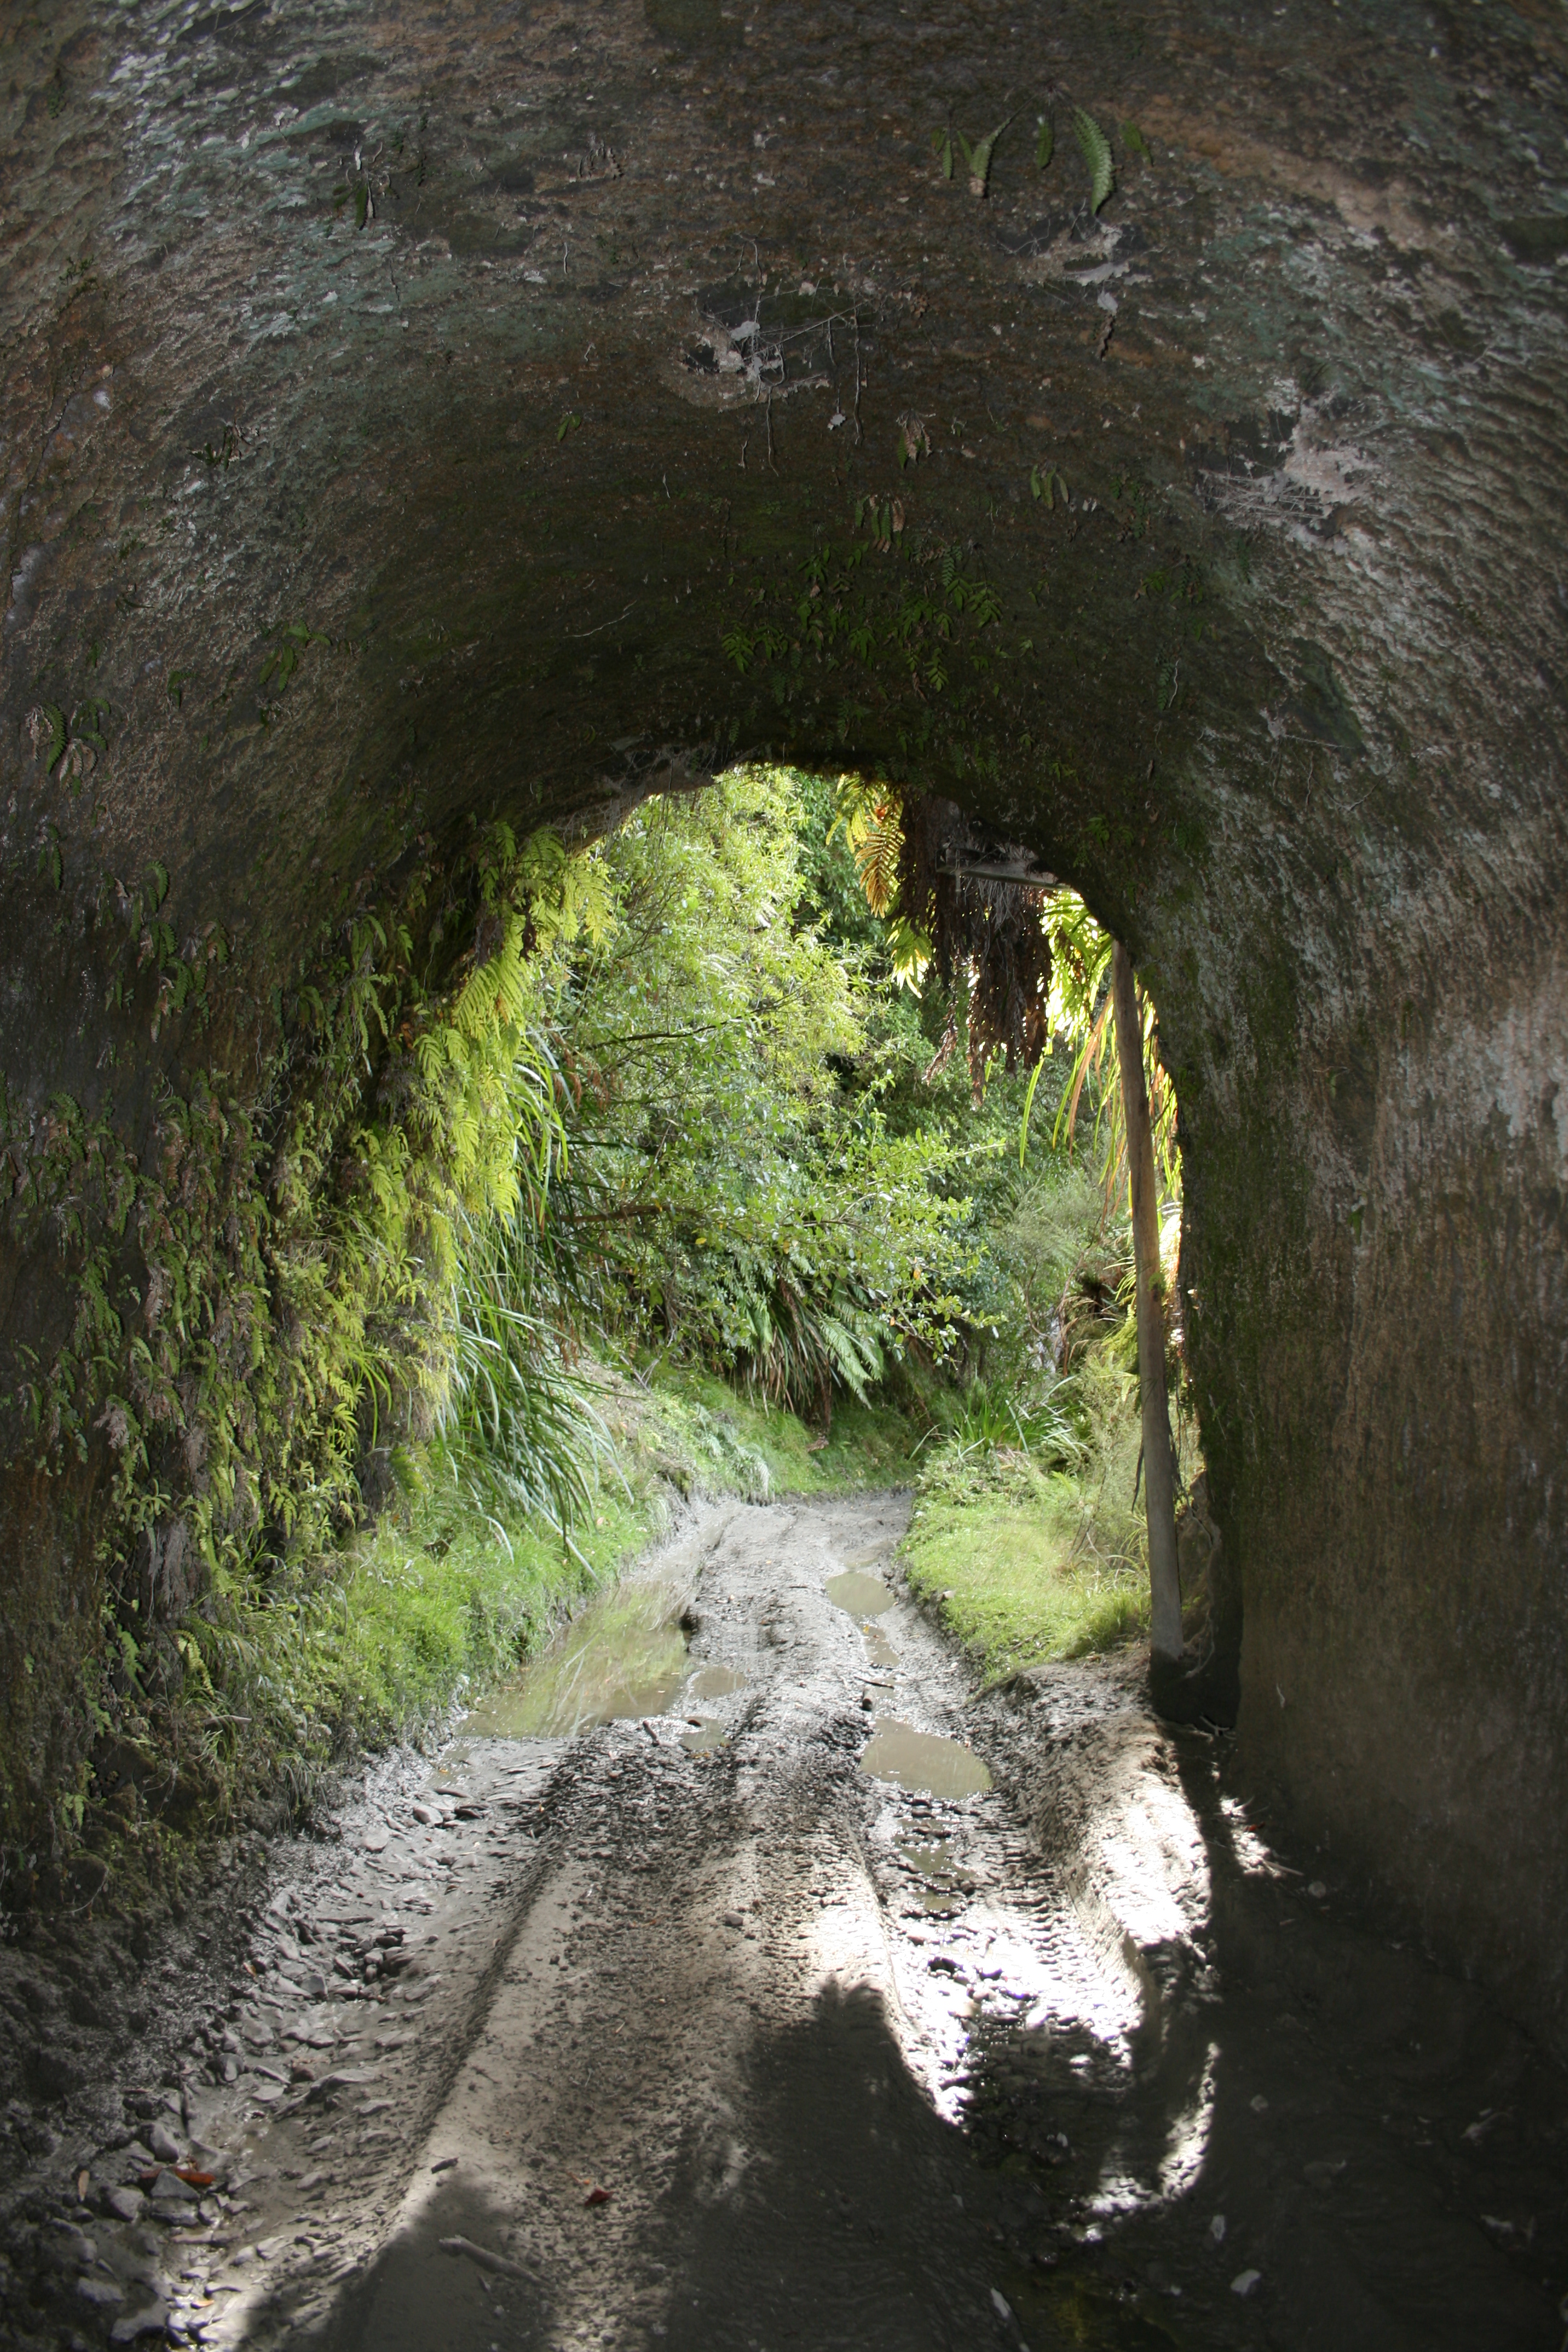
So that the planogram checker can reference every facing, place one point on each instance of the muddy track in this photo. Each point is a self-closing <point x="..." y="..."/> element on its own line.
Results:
<point x="691" y="2030"/>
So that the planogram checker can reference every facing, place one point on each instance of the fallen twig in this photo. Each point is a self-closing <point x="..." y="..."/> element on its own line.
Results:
<point x="483" y="2256"/>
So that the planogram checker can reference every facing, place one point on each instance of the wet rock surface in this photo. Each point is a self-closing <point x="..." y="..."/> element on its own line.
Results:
<point x="636" y="2039"/>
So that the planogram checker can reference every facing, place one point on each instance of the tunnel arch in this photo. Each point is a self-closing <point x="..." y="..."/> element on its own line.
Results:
<point x="412" y="422"/>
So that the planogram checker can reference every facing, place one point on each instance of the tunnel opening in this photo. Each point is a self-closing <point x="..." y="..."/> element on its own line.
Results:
<point x="425" y="439"/>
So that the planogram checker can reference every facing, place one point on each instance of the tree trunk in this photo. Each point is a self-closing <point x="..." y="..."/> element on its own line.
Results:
<point x="1158" y="1469"/>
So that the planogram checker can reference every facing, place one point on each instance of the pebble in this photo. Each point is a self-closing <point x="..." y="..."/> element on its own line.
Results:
<point x="164" y="2144"/>
<point x="102" y="2293"/>
<point x="1245" y="2281"/>
<point x="150" y="2319"/>
<point x="1216" y="2228"/>
<point x="125" y="2204"/>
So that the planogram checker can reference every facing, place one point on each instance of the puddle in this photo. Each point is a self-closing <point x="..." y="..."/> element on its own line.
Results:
<point x="937" y="1894"/>
<point x="860" y="1595"/>
<point x="879" y="1649"/>
<point x="716" y="1682"/>
<point x="622" y="1655"/>
<point x="931" y="1861"/>
<point x="919" y="1760"/>
<point x="702" y="1736"/>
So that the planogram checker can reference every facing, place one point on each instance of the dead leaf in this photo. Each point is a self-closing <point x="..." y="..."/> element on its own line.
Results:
<point x="597" y="2197"/>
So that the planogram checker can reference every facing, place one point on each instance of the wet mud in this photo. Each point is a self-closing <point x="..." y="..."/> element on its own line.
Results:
<point x="740" y="1978"/>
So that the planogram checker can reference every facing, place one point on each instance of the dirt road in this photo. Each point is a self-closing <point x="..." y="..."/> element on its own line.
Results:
<point x="757" y="2018"/>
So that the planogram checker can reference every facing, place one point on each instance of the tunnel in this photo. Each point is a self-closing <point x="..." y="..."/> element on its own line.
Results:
<point x="1136" y="433"/>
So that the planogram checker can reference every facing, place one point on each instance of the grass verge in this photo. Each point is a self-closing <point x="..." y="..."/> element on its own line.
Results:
<point x="1034" y="1549"/>
<point x="1002" y="1557"/>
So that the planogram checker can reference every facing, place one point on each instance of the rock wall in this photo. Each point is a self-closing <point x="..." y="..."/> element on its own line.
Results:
<point x="417" y="418"/>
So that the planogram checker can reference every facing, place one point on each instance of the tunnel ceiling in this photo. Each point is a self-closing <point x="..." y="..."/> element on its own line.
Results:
<point x="523" y="363"/>
<point x="415" y="415"/>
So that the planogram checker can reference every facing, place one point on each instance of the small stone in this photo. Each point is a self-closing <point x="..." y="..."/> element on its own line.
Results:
<point x="148" y="2319"/>
<point x="164" y="2144"/>
<point x="1317" y="1890"/>
<point x="1259" y="2103"/>
<point x="1245" y="2281"/>
<point x="426" y="1813"/>
<point x="102" y="2293"/>
<point x="1216" y="2228"/>
<point x="1000" y="2304"/>
<point x="733" y="1919"/>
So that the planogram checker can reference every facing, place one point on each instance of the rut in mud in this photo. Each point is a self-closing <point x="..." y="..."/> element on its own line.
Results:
<point x="813" y="2001"/>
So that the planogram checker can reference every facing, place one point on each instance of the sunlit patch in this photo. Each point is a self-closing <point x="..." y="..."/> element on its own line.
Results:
<point x="1186" y="2142"/>
<point x="1156" y="1864"/>
<point x="1248" y="1848"/>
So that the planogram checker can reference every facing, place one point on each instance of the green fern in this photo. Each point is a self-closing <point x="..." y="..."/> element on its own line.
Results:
<point x="1096" y="149"/>
<point x="978" y="158"/>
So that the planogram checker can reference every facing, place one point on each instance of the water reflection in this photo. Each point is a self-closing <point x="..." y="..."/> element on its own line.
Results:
<point x="858" y="1594"/>
<point x="919" y="1760"/>
<point x="624" y="1655"/>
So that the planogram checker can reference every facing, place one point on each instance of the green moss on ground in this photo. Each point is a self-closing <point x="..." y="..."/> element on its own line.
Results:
<point x="1036" y="1550"/>
<point x="728" y="1434"/>
<point x="1004" y="1562"/>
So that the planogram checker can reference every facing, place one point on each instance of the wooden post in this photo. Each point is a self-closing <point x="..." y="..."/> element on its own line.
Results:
<point x="1158" y="1469"/>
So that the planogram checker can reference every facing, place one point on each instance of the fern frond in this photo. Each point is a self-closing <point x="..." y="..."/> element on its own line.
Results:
<point x="1096" y="149"/>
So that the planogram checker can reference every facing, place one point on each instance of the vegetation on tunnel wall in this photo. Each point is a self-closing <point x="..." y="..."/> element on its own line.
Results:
<point x="681" y="1096"/>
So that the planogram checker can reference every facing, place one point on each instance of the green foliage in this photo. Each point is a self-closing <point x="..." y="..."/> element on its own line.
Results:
<point x="746" y="1199"/>
<point x="686" y="1095"/>
<point x="56" y="720"/>
<point x="977" y="159"/>
<point x="1026" y="1533"/>
<point x="1045" y="141"/>
<point x="1080" y="1011"/>
<point x="1096" y="151"/>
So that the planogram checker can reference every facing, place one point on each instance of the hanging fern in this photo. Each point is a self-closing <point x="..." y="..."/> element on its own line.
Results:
<point x="1096" y="149"/>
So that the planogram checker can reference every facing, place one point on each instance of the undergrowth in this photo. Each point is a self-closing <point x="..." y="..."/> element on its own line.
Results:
<point x="1029" y="1534"/>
